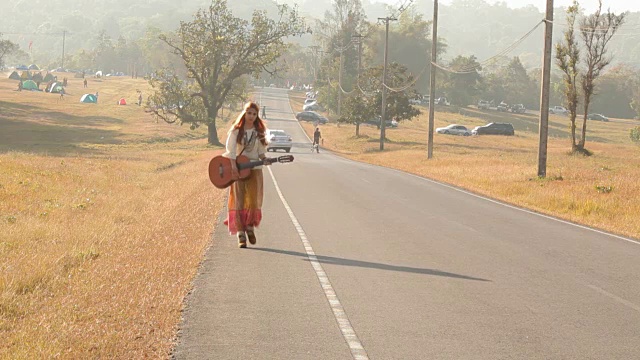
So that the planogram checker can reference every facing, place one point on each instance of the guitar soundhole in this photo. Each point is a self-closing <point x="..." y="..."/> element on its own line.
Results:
<point x="220" y="170"/>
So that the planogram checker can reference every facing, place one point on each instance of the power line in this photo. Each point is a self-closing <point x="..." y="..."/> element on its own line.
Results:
<point x="472" y="69"/>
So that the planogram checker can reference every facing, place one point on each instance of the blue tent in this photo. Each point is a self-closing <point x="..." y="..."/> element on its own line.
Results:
<point x="89" y="98"/>
<point x="33" y="67"/>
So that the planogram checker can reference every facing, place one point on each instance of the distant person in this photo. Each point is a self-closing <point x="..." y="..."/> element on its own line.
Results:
<point x="20" y="85"/>
<point x="316" y="139"/>
<point x="96" y="97"/>
<point x="85" y="82"/>
<point x="264" y="112"/>
<point x="64" y="81"/>
<point x="140" y="99"/>
<point x="61" y="94"/>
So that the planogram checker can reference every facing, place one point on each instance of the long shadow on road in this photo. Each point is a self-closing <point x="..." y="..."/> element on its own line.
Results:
<point x="366" y="264"/>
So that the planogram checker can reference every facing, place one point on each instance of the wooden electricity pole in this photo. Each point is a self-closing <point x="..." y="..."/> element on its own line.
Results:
<point x="432" y="88"/>
<point x="544" y="91"/>
<point x="384" y="80"/>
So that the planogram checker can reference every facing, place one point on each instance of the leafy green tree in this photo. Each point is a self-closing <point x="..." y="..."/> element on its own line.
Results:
<point x="519" y="87"/>
<point x="463" y="88"/>
<point x="6" y="48"/>
<point x="401" y="89"/>
<point x="615" y="92"/>
<point x="218" y="49"/>
<point x="409" y="44"/>
<point x="357" y="109"/>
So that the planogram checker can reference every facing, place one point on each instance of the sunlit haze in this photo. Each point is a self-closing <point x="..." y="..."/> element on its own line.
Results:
<point x="589" y="5"/>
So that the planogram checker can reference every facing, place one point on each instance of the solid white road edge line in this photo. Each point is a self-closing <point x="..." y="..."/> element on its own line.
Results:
<point x="493" y="200"/>
<point x="357" y="350"/>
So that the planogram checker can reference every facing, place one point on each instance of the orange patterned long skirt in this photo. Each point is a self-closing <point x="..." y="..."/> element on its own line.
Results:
<point x="245" y="203"/>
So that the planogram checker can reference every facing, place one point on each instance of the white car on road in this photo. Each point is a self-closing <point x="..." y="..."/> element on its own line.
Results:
<point x="278" y="139"/>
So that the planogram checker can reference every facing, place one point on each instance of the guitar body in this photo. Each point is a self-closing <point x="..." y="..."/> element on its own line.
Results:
<point x="220" y="168"/>
<point x="220" y="171"/>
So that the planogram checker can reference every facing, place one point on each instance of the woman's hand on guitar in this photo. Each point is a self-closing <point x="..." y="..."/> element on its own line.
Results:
<point x="234" y="173"/>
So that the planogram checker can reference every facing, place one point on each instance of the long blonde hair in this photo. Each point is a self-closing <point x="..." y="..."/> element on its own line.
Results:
<point x="258" y="125"/>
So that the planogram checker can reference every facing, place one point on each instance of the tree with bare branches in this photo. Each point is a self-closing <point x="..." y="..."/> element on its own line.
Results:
<point x="596" y="30"/>
<point x="567" y="59"/>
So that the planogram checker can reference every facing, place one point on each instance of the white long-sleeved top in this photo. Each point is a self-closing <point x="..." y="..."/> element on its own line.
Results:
<point x="252" y="146"/>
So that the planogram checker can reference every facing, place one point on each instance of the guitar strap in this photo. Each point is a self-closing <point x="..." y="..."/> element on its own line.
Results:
<point x="248" y="142"/>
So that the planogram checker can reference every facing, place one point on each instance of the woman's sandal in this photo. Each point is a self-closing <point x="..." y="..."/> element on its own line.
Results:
<point x="242" y="240"/>
<point x="252" y="237"/>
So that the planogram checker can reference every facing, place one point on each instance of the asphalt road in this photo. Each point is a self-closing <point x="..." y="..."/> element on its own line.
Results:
<point x="358" y="261"/>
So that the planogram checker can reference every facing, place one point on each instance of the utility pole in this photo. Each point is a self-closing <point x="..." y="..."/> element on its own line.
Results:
<point x="64" y="36"/>
<point x="359" y="42"/>
<point x="340" y="81"/>
<point x="384" y="80"/>
<point x="432" y="88"/>
<point x="315" y="62"/>
<point x="544" y="92"/>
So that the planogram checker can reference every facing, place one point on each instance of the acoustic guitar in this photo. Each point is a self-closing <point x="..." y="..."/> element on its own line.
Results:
<point x="220" y="168"/>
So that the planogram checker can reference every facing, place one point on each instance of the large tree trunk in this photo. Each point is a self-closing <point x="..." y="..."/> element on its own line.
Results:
<point x="213" y="134"/>
<point x="573" y="133"/>
<point x="583" y="139"/>
<point x="211" y="124"/>
<point x="357" y="129"/>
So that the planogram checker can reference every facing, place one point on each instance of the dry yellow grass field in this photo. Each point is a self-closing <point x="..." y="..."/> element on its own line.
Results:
<point x="105" y="215"/>
<point x="599" y="191"/>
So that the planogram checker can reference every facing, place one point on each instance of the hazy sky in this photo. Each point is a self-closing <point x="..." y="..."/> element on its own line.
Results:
<point x="616" y="6"/>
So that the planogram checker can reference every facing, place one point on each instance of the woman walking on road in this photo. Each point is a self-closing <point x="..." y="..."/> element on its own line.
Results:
<point x="246" y="137"/>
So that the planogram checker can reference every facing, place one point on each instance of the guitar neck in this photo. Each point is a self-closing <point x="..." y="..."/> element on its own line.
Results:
<point x="250" y="164"/>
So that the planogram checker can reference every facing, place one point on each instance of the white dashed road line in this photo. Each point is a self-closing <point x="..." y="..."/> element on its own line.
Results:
<point x="357" y="350"/>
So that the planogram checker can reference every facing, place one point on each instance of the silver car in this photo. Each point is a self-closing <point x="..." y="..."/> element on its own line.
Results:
<point x="278" y="139"/>
<point x="454" y="129"/>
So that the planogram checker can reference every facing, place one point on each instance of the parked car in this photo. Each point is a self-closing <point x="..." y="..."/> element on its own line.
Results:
<point x="415" y="101"/>
<point x="598" y="117"/>
<point x="311" y="116"/>
<point x="558" y="110"/>
<point x="483" y="104"/>
<point x="376" y="122"/>
<point x="454" y="129"/>
<point x="494" y="129"/>
<point x="278" y="139"/>
<point x="502" y="107"/>
<point x="309" y="101"/>
<point x="518" y="109"/>
<point x="442" y="101"/>
<point x="314" y="106"/>
<point x="387" y="124"/>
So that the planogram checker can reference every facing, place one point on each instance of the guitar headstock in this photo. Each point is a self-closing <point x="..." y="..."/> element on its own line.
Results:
<point x="281" y="159"/>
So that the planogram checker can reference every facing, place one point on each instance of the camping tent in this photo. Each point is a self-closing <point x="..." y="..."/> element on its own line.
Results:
<point x="122" y="102"/>
<point x="22" y="67"/>
<point x="14" y="75"/>
<point x="98" y="73"/>
<point x="25" y="75"/>
<point x="55" y="88"/>
<point x="48" y="78"/>
<point x="89" y="98"/>
<point x="33" y="67"/>
<point x="29" y="85"/>
<point x="37" y="77"/>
